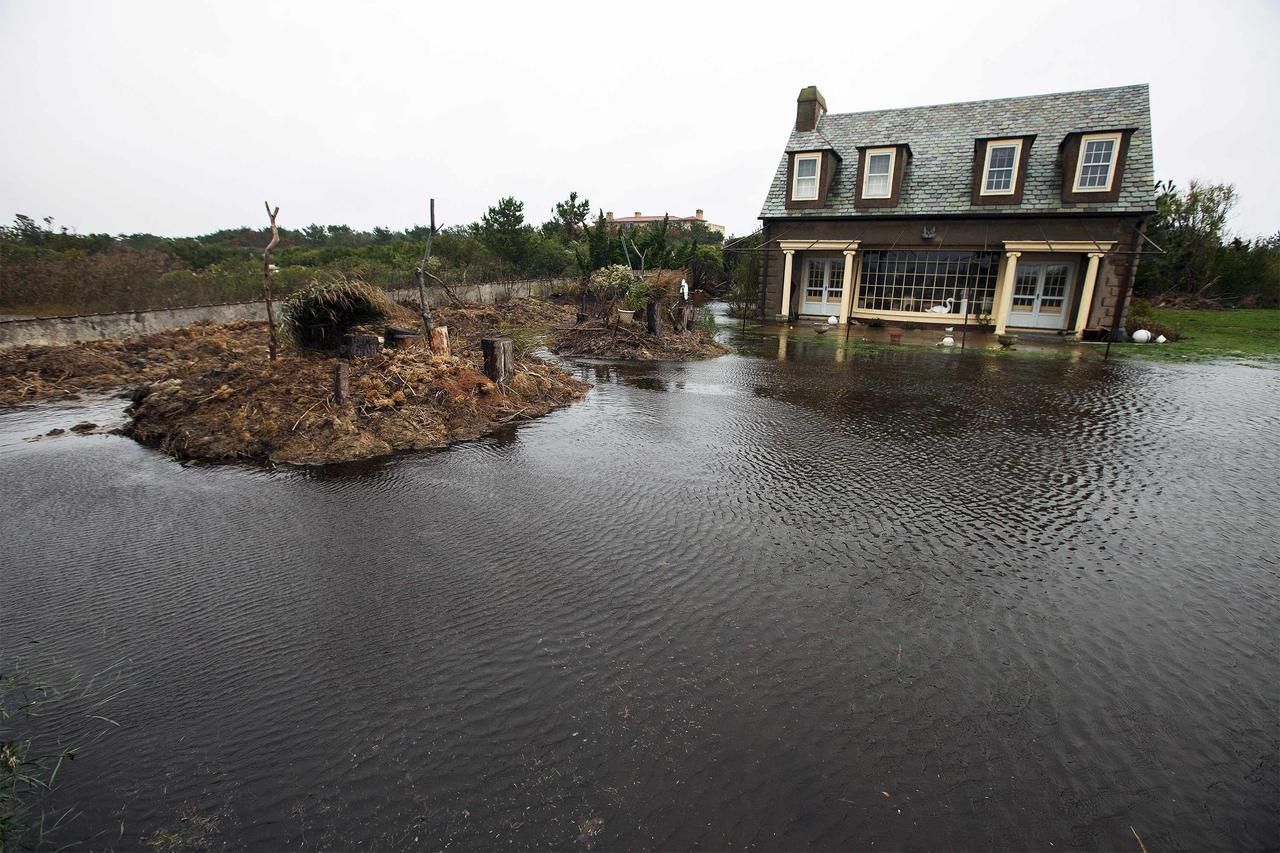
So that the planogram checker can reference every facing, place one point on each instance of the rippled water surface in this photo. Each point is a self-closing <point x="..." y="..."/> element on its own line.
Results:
<point x="833" y="599"/>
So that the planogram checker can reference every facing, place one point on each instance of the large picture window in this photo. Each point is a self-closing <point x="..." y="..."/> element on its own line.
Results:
<point x="953" y="283"/>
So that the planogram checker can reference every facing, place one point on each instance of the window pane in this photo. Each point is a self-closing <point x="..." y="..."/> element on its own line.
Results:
<point x="877" y="185"/>
<point x="806" y="188"/>
<point x="1002" y="157"/>
<point x="878" y="164"/>
<point x="807" y="168"/>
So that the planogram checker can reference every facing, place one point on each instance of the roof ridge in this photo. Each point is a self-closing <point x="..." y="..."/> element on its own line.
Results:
<point x="1146" y="86"/>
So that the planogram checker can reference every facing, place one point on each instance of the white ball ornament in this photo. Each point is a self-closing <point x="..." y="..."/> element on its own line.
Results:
<point x="1141" y="336"/>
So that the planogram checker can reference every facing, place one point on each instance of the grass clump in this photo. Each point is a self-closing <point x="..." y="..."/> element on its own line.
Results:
<point x="320" y="314"/>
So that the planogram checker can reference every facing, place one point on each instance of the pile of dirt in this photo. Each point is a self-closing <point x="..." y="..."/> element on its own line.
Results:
<point x="630" y="341"/>
<point x="33" y="373"/>
<point x="208" y="391"/>
<point x="468" y="323"/>
<point x="284" y="411"/>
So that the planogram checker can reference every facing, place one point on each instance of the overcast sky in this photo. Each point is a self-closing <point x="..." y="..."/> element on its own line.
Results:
<point x="182" y="117"/>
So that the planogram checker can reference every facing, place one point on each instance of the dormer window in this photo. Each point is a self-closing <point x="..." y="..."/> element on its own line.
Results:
<point x="1096" y="165"/>
<point x="805" y="187"/>
<point x="877" y="172"/>
<point x="1000" y="173"/>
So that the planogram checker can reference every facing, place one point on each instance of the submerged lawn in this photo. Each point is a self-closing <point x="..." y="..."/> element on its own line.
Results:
<point x="1252" y="333"/>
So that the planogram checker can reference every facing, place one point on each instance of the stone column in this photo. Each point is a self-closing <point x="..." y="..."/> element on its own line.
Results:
<point x="784" y="311"/>
<point x="1004" y="292"/>
<point x="846" y="294"/>
<point x="1086" y="296"/>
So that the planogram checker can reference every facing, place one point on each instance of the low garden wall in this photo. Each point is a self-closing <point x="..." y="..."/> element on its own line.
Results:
<point x="126" y="324"/>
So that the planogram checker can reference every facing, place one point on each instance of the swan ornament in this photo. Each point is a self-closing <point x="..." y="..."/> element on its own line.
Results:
<point x="945" y="308"/>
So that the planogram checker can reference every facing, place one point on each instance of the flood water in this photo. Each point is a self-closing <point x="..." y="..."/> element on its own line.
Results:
<point x="798" y="598"/>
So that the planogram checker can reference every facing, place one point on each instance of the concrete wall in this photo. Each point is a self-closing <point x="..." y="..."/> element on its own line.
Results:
<point x="64" y="330"/>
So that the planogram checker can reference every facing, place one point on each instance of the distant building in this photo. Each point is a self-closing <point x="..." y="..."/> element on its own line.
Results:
<point x="625" y="223"/>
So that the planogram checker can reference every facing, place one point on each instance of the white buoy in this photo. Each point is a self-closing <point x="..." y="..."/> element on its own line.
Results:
<point x="832" y="320"/>
<point x="948" y="341"/>
<point x="1141" y="336"/>
<point x="1162" y="340"/>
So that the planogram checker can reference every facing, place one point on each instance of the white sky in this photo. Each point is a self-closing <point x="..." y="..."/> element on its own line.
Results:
<point x="180" y="118"/>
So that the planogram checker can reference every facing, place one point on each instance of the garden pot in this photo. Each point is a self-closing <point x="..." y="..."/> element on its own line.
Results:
<point x="895" y="337"/>
<point x="626" y="315"/>
<point x="1007" y="341"/>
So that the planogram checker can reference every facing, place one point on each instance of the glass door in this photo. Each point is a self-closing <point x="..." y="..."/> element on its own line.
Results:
<point x="824" y="287"/>
<point x="1041" y="296"/>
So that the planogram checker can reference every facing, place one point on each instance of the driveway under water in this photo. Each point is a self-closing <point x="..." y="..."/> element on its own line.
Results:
<point x="807" y="598"/>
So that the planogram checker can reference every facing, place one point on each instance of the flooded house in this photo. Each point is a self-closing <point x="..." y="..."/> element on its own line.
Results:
<point x="1023" y="213"/>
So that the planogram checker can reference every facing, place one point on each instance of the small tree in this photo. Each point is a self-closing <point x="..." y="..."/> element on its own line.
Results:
<point x="571" y="215"/>
<point x="272" y="344"/>
<point x="503" y="230"/>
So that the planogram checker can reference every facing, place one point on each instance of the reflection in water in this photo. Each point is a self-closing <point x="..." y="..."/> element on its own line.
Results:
<point x="719" y="604"/>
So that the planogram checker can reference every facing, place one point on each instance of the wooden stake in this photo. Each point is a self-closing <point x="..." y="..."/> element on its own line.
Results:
<point x="272" y="344"/>
<point x="341" y="382"/>
<point x="499" y="359"/>
<point x="421" y="275"/>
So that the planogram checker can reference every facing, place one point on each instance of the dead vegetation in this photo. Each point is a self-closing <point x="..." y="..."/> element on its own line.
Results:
<point x="208" y="392"/>
<point x="631" y="341"/>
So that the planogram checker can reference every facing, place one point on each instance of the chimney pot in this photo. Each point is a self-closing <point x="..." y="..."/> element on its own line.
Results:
<point x="810" y="107"/>
<point x="638" y="213"/>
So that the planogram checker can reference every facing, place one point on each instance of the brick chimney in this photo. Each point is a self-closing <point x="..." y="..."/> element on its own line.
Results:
<point x="809" y="108"/>
<point x="638" y="213"/>
<point x="697" y="214"/>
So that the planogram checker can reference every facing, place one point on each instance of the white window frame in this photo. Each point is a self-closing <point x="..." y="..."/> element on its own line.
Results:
<point x="1085" y="139"/>
<point x="866" y="170"/>
<point x="992" y="144"/>
<point x="795" y="177"/>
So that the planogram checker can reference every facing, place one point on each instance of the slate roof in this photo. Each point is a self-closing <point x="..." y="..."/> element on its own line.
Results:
<point x="939" y="174"/>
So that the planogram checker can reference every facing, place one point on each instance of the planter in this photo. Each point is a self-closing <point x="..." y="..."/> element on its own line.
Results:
<point x="1007" y="341"/>
<point x="895" y="337"/>
<point x="626" y="315"/>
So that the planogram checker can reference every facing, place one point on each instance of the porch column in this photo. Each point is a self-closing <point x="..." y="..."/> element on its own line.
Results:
<point x="785" y="311"/>
<point x="846" y="294"/>
<point x="1086" y="297"/>
<point x="1004" y="293"/>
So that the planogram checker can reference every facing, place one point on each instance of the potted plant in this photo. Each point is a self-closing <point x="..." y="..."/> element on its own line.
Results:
<point x="637" y="298"/>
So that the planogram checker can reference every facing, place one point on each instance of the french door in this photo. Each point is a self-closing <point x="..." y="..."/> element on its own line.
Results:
<point x="823" y="287"/>
<point x="1041" y="296"/>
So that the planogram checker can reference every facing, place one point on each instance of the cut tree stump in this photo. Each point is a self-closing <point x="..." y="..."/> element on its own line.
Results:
<point x="341" y="382"/>
<point x="440" y="340"/>
<point x="499" y="359"/>
<point x="359" y="346"/>
<point x="653" y="320"/>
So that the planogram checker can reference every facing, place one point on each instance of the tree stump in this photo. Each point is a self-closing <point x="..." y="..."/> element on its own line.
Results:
<point x="341" y="382"/>
<point x="652" y="320"/>
<point x="440" y="340"/>
<point x="499" y="359"/>
<point x="359" y="346"/>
